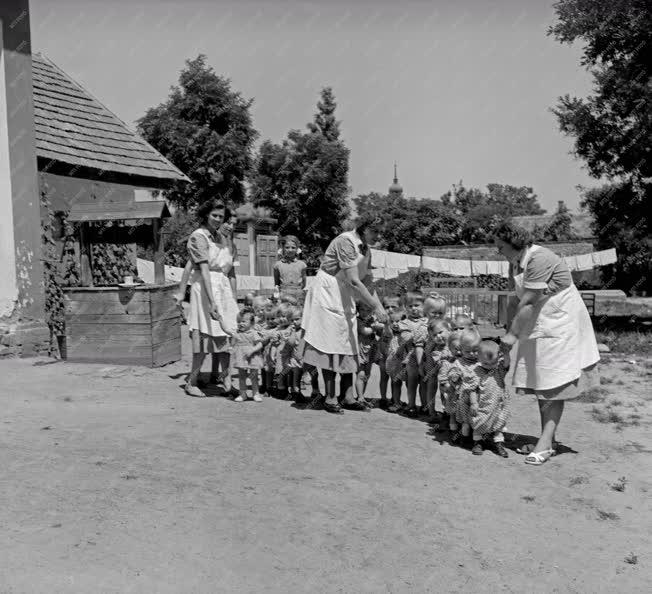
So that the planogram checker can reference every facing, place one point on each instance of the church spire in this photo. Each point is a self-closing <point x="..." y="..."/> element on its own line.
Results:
<point x="395" y="190"/>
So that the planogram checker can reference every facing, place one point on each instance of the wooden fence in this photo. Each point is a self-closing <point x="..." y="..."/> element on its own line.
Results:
<point x="484" y="306"/>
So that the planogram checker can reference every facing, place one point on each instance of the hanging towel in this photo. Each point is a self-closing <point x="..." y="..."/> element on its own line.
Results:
<point x="604" y="257"/>
<point x="460" y="267"/>
<point x="478" y="267"/>
<point x="378" y="258"/>
<point x="396" y="261"/>
<point x="584" y="262"/>
<point x="413" y="261"/>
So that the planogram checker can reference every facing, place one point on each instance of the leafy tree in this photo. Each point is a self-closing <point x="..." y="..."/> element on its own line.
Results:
<point x="304" y="181"/>
<point x="204" y="128"/>
<point x="405" y="225"/>
<point x="621" y="220"/>
<point x="559" y="228"/>
<point x="612" y="128"/>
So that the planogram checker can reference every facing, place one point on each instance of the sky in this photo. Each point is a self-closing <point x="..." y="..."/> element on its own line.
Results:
<point x="450" y="90"/>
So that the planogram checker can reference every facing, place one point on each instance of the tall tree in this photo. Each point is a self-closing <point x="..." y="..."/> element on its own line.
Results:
<point x="612" y="127"/>
<point x="560" y="226"/>
<point x="304" y="180"/>
<point x="204" y="128"/>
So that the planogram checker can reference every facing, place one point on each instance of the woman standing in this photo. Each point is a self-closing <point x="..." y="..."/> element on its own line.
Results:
<point x="329" y="314"/>
<point x="557" y="351"/>
<point x="213" y="308"/>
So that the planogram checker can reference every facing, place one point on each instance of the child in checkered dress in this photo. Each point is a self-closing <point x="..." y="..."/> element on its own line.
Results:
<point x="464" y="378"/>
<point x="434" y="353"/>
<point x="489" y="401"/>
<point x="383" y="336"/>
<point x="447" y="388"/>
<point x="395" y="362"/>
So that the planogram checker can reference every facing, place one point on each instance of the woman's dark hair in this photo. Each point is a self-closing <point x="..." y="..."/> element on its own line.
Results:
<point x="205" y="208"/>
<point x="513" y="234"/>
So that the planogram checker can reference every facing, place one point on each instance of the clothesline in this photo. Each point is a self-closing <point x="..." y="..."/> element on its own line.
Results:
<point x="390" y="264"/>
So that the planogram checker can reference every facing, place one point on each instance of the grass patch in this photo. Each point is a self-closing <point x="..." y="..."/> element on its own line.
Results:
<point x="616" y="402"/>
<point x="602" y="415"/>
<point x="619" y="485"/>
<point x="578" y="480"/>
<point x="593" y="395"/>
<point x="631" y="559"/>
<point x="626" y="341"/>
<point x="605" y="381"/>
<point x="605" y="515"/>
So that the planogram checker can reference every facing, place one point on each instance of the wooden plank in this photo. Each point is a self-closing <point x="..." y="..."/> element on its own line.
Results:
<point x="165" y="330"/>
<point x="108" y="319"/>
<point x="109" y="352"/>
<point x="164" y="309"/>
<point x="124" y="341"/>
<point x="117" y="295"/>
<point x="100" y="308"/>
<point x="99" y="330"/>
<point x="166" y="352"/>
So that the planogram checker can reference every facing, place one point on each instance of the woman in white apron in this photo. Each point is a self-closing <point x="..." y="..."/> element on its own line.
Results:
<point x="557" y="352"/>
<point x="329" y="314"/>
<point x="213" y="308"/>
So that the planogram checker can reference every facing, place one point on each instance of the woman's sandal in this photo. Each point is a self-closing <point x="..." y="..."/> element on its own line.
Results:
<point x="194" y="391"/>
<point x="528" y="448"/>
<point x="538" y="458"/>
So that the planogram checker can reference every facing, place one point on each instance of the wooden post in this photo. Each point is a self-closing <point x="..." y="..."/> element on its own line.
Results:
<point x="159" y="252"/>
<point x="85" y="256"/>
<point x="251" y="238"/>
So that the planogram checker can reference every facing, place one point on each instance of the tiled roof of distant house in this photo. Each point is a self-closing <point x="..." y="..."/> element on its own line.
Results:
<point x="76" y="135"/>
<point x="581" y="223"/>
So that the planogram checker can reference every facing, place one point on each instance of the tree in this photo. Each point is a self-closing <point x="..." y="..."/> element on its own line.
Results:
<point x="560" y="226"/>
<point x="621" y="220"/>
<point x="405" y="225"/>
<point x="304" y="181"/>
<point x="205" y="129"/>
<point x="612" y="128"/>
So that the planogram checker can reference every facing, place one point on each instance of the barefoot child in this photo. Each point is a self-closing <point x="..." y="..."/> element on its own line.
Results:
<point x="434" y="353"/>
<point x="247" y="356"/>
<point x="489" y="401"/>
<point x="383" y="336"/>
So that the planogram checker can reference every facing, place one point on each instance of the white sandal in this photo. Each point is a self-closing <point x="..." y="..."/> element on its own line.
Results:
<point x="538" y="458"/>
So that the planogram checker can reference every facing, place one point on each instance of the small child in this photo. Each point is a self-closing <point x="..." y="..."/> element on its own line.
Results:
<point x="465" y="379"/>
<point x="284" y="349"/>
<point x="434" y="307"/>
<point x="447" y="388"/>
<point x="489" y="400"/>
<point x="289" y="271"/>
<point x="434" y="353"/>
<point x="383" y="336"/>
<point x="463" y="322"/>
<point x="290" y="354"/>
<point x="247" y="356"/>
<point x="366" y="356"/>
<point x="248" y="302"/>
<point x="416" y="325"/>
<point x="270" y="347"/>
<point x="395" y="362"/>
<point x="259" y="305"/>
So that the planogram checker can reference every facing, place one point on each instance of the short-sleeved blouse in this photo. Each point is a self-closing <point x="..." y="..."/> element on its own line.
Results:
<point x="342" y="253"/>
<point x="198" y="246"/>
<point x="545" y="270"/>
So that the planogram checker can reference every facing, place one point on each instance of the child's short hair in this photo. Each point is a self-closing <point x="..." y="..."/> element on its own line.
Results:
<point x="470" y="337"/>
<point x="391" y="298"/>
<point x="436" y="325"/>
<point x="434" y="302"/>
<point x="246" y="314"/>
<point x="296" y="312"/>
<point x="489" y="348"/>
<point x="284" y="310"/>
<point x="463" y="319"/>
<point x="260" y="302"/>
<point x="414" y="297"/>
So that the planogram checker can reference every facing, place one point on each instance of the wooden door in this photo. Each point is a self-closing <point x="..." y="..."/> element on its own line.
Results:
<point x="266" y="254"/>
<point x="242" y="250"/>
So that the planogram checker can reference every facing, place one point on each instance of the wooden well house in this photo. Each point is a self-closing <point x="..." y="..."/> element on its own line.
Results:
<point x="94" y="170"/>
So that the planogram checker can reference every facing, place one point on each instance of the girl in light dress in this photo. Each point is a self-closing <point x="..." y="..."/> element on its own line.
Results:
<point x="489" y="399"/>
<point x="290" y="271"/>
<point x="247" y="359"/>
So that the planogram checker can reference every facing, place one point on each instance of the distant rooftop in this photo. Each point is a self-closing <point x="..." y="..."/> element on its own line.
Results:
<point x="76" y="135"/>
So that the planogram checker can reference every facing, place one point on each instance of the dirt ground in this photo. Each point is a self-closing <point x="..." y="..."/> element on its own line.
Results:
<point x="114" y="481"/>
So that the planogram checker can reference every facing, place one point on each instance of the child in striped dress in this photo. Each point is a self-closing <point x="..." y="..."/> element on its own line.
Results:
<point x="447" y="388"/>
<point x="464" y="378"/>
<point x="395" y="362"/>
<point x="490" y="400"/>
<point x="383" y="336"/>
<point x="417" y="326"/>
<point x="434" y="353"/>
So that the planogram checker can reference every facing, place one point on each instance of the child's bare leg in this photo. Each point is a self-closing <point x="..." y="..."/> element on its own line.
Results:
<point x="253" y="378"/>
<point x="242" y="385"/>
<point x="360" y="383"/>
<point x="431" y="391"/>
<point x="412" y="385"/>
<point x="384" y="380"/>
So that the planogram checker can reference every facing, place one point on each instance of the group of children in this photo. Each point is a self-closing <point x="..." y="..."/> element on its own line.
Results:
<point x="421" y="348"/>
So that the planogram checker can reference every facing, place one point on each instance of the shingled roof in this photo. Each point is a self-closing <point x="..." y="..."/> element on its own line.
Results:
<point x="76" y="135"/>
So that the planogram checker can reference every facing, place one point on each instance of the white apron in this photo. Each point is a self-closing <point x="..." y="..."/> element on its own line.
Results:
<point x="220" y="262"/>
<point x="329" y="313"/>
<point x="559" y="341"/>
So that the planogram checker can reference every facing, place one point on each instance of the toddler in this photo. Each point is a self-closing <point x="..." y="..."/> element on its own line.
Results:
<point x="434" y="307"/>
<point x="284" y="348"/>
<point x="247" y="356"/>
<point x="395" y="361"/>
<point x="270" y="347"/>
<point x="290" y="271"/>
<point x="463" y="322"/>
<point x="447" y="388"/>
<point x="464" y="378"/>
<point x="416" y="326"/>
<point x="366" y="356"/>
<point x="383" y="336"/>
<point x="434" y="353"/>
<point x="489" y="400"/>
<point x="290" y="354"/>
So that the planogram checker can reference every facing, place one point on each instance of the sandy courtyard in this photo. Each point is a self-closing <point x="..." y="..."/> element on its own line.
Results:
<point x="114" y="481"/>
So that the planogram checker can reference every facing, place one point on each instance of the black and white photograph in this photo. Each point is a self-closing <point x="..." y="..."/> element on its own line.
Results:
<point x="325" y="296"/>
